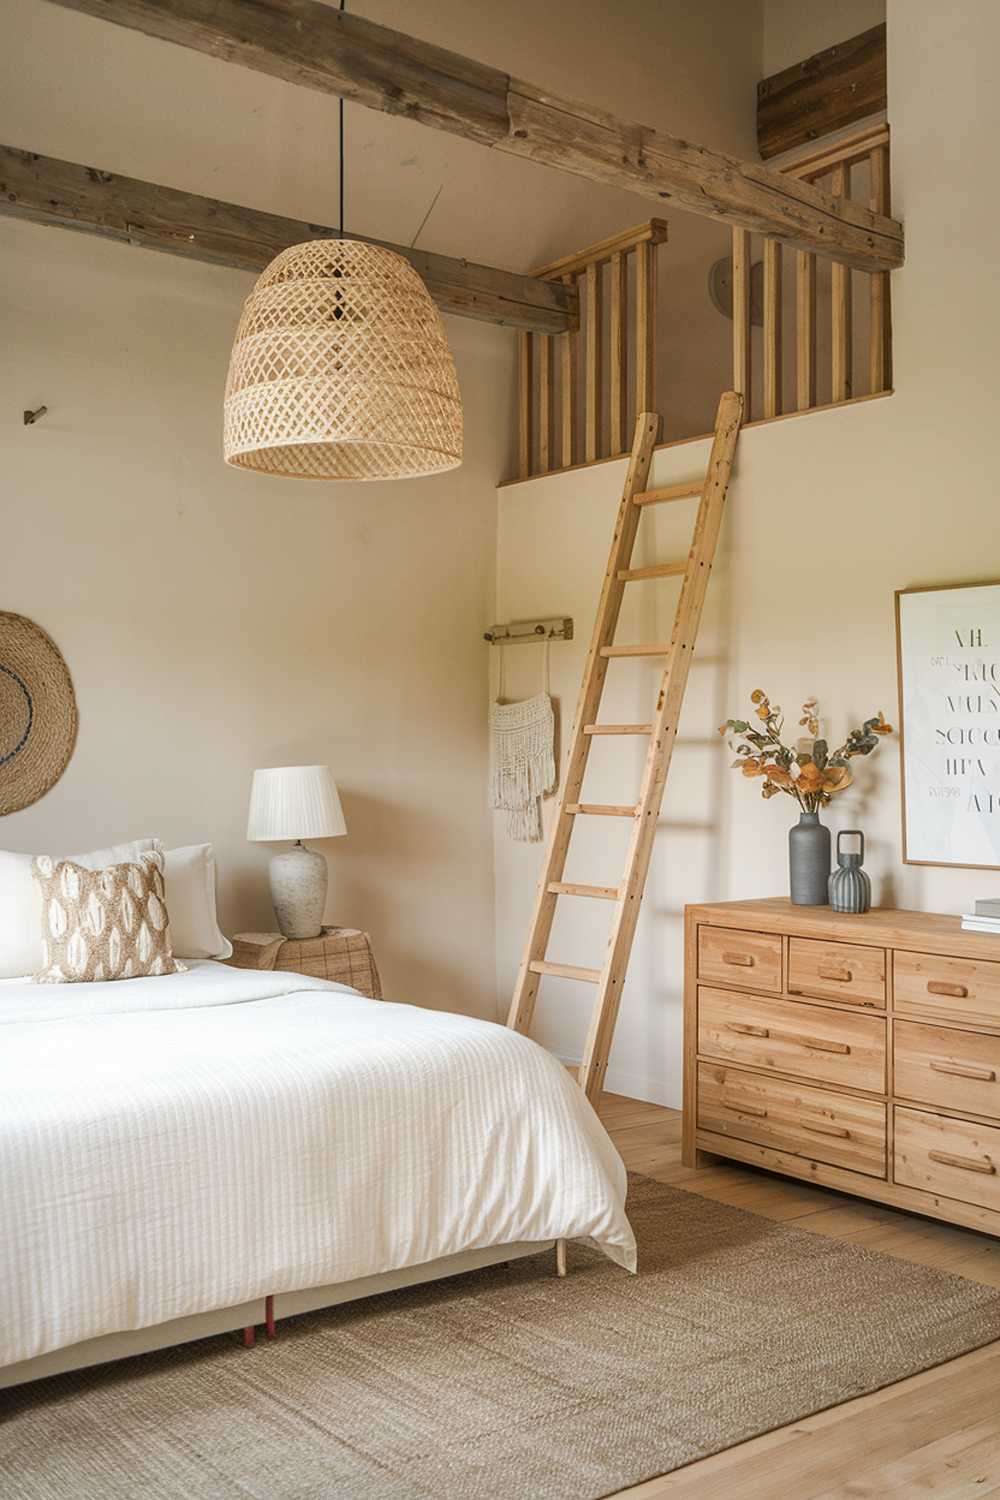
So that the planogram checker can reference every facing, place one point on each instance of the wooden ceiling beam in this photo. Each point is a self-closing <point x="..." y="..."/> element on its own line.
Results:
<point x="319" y="47"/>
<point x="825" y="92"/>
<point x="48" y="191"/>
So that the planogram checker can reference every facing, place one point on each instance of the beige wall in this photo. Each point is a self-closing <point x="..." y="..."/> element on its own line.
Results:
<point x="828" y="515"/>
<point x="795" y="29"/>
<point x="214" y="621"/>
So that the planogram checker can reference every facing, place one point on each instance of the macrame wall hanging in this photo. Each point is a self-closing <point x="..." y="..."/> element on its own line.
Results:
<point x="522" y="758"/>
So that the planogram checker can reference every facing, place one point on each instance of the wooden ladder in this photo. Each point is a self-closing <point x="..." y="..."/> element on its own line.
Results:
<point x="661" y="733"/>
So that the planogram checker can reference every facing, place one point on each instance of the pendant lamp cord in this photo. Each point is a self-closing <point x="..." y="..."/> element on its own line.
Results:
<point x="340" y="231"/>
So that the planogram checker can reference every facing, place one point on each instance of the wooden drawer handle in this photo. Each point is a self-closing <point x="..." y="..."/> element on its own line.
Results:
<point x="967" y="1163"/>
<point x="938" y="987"/>
<point x="824" y="1129"/>
<point x="746" y="1109"/>
<point x="826" y="971"/>
<point x="740" y="960"/>
<point x="818" y="1043"/>
<point x="964" y="1070"/>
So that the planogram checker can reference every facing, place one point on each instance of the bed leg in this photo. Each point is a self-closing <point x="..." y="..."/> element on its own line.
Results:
<point x="249" y="1337"/>
<point x="269" y="1323"/>
<point x="560" y="1257"/>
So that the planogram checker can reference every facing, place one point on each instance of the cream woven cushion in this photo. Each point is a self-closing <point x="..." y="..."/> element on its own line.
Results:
<point x="103" y="924"/>
<point x="21" y="902"/>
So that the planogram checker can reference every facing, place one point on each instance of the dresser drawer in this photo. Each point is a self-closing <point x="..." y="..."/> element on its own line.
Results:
<point x="837" y="971"/>
<point x="751" y="959"/>
<point x="951" y="1157"/>
<point x="815" y="1123"/>
<point x="807" y="1040"/>
<point x="954" y="1069"/>
<point x="965" y="989"/>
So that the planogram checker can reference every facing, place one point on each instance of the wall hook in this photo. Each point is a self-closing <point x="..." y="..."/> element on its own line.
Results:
<point x="32" y="416"/>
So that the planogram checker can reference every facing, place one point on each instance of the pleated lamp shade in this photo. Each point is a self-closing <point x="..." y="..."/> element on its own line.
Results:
<point x="294" y="802"/>
<point x="341" y="370"/>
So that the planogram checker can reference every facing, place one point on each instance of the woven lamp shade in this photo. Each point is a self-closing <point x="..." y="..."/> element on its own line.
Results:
<point x="341" y="370"/>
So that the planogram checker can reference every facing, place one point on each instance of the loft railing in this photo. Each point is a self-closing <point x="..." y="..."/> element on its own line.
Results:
<point x="768" y="395"/>
<point x="806" y="331"/>
<point x="562" y="377"/>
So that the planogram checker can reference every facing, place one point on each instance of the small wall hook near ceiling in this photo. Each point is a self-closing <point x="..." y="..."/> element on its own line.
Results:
<point x="32" y="416"/>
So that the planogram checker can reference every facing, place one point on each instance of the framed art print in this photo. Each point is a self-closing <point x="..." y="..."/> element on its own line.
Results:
<point x="948" y="653"/>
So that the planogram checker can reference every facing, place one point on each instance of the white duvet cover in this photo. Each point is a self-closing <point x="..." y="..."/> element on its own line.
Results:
<point x="178" y="1144"/>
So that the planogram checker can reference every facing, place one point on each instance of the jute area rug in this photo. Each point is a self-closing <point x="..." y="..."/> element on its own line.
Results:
<point x="507" y="1384"/>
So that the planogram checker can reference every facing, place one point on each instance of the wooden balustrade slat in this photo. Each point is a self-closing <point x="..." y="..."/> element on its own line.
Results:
<point x="594" y="372"/>
<point x="841" y="304"/>
<point x="653" y="232"/>
<point x="880" y="320"/>
<point x="772" y="328"/>
<point x="645" y="327"/>
<point x="526" y="404"/>
<point x="545" y="404"/>
<point x="570" y="353"/>
<point x="741" y="314"/>
<point x="618" y="351"/>
<point x="805" y="329"/>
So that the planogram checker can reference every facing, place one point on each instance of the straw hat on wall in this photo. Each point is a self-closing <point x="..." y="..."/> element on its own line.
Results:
<point x="38" y="717"/>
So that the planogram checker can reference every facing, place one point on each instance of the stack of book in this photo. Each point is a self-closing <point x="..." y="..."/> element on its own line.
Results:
<point x="984" y="917"/>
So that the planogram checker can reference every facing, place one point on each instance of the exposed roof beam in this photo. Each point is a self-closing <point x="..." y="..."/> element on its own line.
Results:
<point x="305" y="42"/>
<point x="49" y="191"/>
<point x="825" y="92"/>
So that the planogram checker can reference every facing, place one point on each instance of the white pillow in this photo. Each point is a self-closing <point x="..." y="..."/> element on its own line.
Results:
<point x="21" y="902"/>
<point x="189" y="877"/>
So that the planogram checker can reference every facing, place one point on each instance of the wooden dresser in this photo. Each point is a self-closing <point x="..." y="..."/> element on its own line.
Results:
<point x="859" y="1052"/>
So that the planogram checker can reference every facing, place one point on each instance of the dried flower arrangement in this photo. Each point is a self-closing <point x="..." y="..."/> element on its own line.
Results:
<point x="812" y="777"/>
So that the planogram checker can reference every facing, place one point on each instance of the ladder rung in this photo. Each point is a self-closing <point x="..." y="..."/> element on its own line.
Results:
<point x="653" y="648"/>
<point x="565" y="971"/>
<point x="601" y="810"/>
<point x="689" y="490"/>
<point x="617" y="728"/>
<point x="567" y="888"/>
<point x="655" y="570"/>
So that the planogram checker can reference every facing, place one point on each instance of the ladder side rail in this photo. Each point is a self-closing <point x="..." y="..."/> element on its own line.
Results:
<point x="593" y="1066"/>
<point x="522" y="1006"/>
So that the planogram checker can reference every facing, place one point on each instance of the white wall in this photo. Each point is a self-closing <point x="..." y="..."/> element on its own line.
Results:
<point x="829" y="514"/>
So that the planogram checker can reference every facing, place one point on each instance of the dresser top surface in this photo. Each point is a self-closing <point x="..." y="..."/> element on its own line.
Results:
<point x="883" y="926"/>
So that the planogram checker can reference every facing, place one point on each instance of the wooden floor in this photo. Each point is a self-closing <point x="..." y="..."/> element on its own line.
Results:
<point x="937" y="1434"/>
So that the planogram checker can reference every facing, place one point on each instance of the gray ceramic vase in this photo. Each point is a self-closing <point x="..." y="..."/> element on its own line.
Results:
<point x="809" y="860"/>
<point x="850" y="888"/>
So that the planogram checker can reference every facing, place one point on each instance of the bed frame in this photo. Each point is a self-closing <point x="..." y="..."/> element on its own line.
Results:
<point x="266" y="1311"/>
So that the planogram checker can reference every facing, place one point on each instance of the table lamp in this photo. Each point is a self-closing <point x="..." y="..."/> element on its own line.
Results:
<point x="296" y="802"/>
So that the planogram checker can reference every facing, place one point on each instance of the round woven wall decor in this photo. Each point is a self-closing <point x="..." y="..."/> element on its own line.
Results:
<point x="341" y="370"/>
<point x="38" y="717"/>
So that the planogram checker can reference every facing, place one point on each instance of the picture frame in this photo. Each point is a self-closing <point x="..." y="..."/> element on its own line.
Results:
<point x="948" y="675"/>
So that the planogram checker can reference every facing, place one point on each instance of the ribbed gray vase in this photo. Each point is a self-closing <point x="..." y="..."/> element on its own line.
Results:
<point x="850" y="889"/>
<point x="809" y="860"/>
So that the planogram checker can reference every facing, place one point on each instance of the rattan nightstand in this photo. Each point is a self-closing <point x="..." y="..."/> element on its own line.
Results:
<point x="343" y="954"/>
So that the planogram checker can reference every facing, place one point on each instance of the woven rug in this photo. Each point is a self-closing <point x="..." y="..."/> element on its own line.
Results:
<point x="507" y="1382"/>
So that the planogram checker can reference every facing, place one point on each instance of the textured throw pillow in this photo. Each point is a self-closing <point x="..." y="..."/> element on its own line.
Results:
<point x="103" y="924"/>
<point x="21" y="901"/>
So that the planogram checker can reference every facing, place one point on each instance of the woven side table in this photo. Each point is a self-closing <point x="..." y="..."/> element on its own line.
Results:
<point x="343" y="954"/>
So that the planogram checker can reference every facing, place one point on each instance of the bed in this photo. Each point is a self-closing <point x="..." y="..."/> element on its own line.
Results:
<point x="175" y="1150"/>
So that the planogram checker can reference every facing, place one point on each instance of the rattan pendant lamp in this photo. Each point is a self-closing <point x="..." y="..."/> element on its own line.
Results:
<point x="341" y="368"/>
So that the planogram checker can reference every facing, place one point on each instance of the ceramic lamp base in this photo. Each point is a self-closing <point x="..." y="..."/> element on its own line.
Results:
<point x="298" y="890"/>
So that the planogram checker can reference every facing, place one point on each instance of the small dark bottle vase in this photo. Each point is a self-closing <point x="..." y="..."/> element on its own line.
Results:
<point x="850" y="888"/>
<point x="809" y="860"/>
